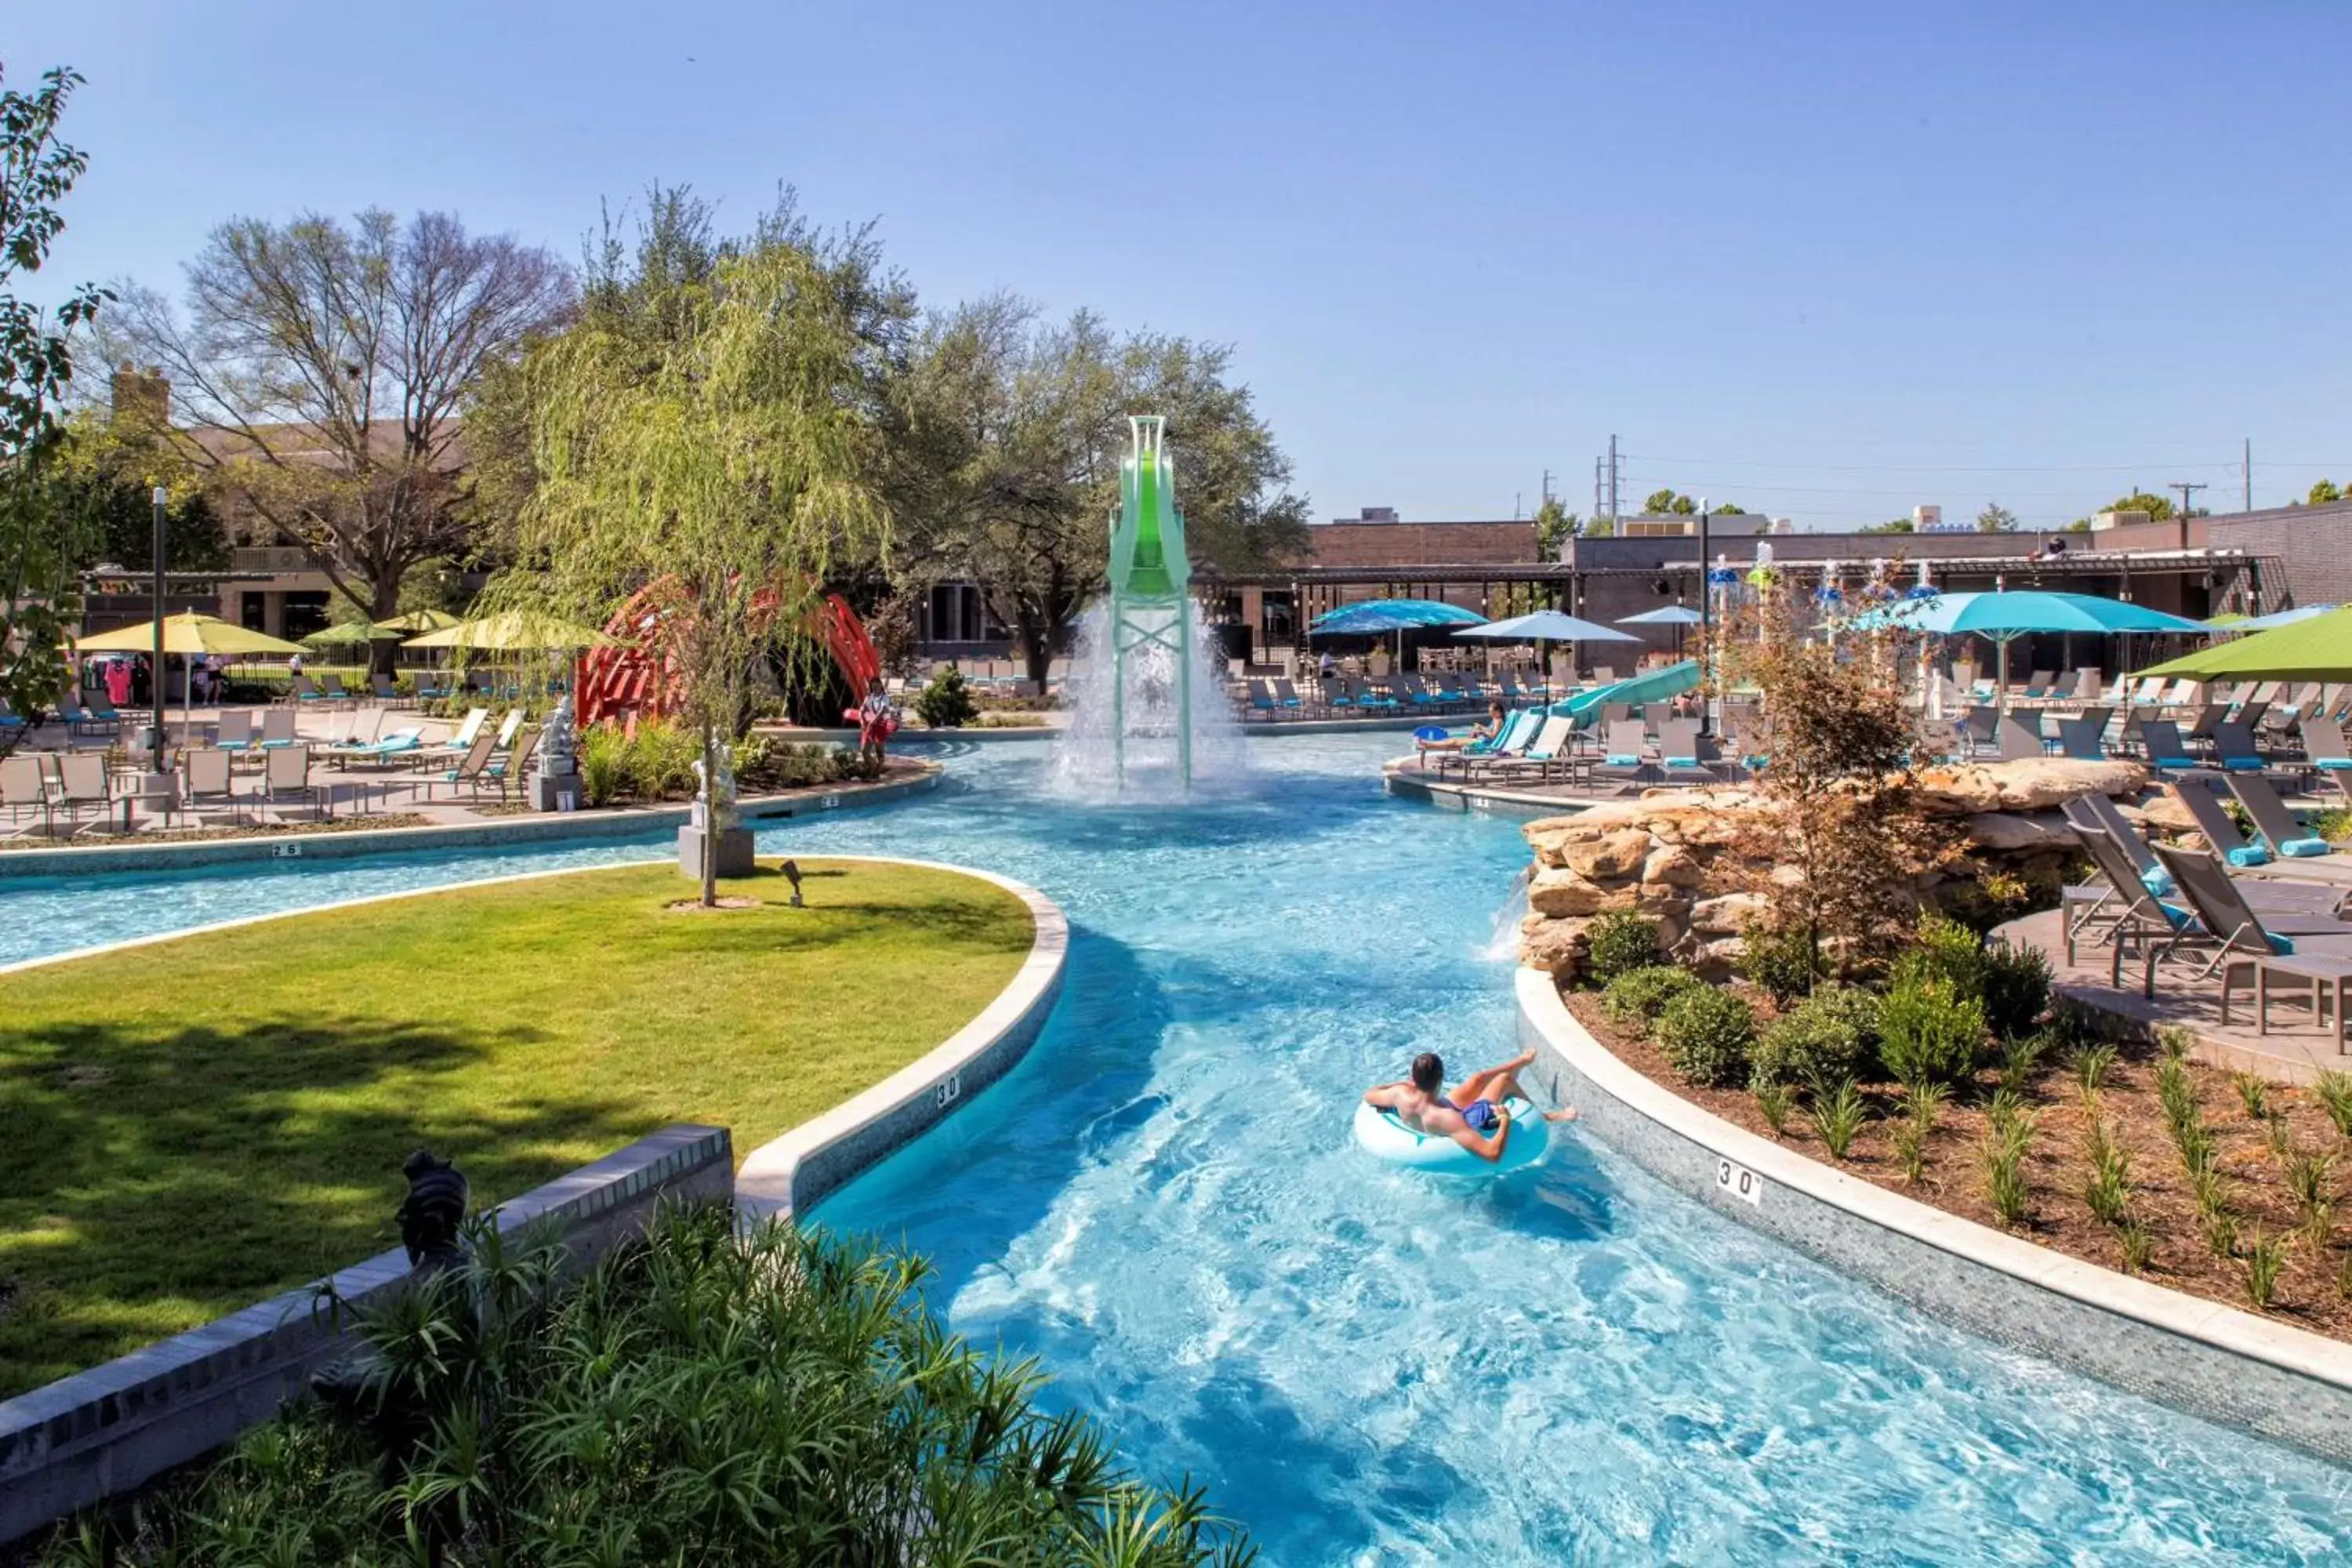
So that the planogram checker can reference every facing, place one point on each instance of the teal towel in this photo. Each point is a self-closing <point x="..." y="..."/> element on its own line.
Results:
<point x="1682" y="761"/>
<point x="2281" y="945"/>
<point x="2248" y="855"/>
<point x="1624" y="760"/>
<point x="2157" y="880"/>
<point x="2302" y="848"/>
<point x="2243" y="764"/>
<point x="2334" y="763"/>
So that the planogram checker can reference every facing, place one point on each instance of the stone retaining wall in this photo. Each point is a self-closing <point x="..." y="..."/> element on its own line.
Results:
<point x="1686" y="858"/>
<point x="106" y="1431"/>
<point x="2252" y="1373"/>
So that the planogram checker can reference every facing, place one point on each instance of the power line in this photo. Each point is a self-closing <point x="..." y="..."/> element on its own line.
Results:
<point x="1934" y="469"/>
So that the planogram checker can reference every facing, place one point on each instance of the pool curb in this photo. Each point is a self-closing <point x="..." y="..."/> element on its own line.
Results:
<point x="550" y="828"/>
<point x="790" y="1173"/>
<point x="1401" y="778"/>
<point x="2279" y="1382"/>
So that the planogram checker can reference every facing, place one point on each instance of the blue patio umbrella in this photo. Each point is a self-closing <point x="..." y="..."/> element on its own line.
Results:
<point x="2001" y="617"/>
<point x="2265" y="623"/>
<point x="1546" y="626"/>
<point x="1669" y="616"/>
<point x="1374" y="617"/>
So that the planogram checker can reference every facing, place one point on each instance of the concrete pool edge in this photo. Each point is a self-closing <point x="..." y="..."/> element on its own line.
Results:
<point x="790" y="1173"/>
<point x="2277" y="1382"/>
<point x="549" y="828"/>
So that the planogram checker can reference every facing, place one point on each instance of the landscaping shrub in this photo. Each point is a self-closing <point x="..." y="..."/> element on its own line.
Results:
<point x="1618" y="943"/>
<point x="1783" y="964"/>
<point x="604" y="764"/>
<point x="2015" y="983"/>
<point x="1706" y="1035"/>
<point x="1830" y="1036"/>
<point x="660" y="760"/>
<point x="704" y="1396"/>
<point x="1636" y="998"/>
<point x="947" y="703"/>
<point x="1929" y="1034"/>
<point x="848" y="764"/>
<point x="1948" y="951"/>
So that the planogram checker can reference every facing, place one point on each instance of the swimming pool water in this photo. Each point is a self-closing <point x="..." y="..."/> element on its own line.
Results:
<point x="1162" y="1205"/>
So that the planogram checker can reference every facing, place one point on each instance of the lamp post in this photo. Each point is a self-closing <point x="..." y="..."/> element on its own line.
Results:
<point x="155" y="675"/>
<point x="1707" y="644"/>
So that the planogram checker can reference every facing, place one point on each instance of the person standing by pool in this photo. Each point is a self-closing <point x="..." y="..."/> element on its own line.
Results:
<point x="1473" y="1115"/>
<point x="875" y="721"/>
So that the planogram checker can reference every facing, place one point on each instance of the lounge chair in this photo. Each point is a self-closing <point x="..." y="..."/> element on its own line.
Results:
<point x="2234" y="749"/>
<point x="365" y="729"/>
<point x="2196" y="795"/>
<point x="2087" y="686"/>
<point x="473" y="766"/>
<point x="2323" y="745"/>
<point x="335" y="691"/>
<point x="1260" y="701"/>
<point x="1976" y="728"/>
<point x="82" y="782"/>
<point x="288" y="773"/>
<point x="1622" y="754"/>
<point x="1518" y="732"/>
<point x="80" y="720"/>
<point x="234" y="730"/>
<point x="2230" y="927"/>
<point x="2018" y="743"/>
<point x="1683" y="754"/>
<point x="1555" y="735"/>
<point x="278" y="731"/>
<point x="2165" y="752"/>
<point x="401" y="745"/>
<point x="206" y="777"/>
<point x="510" y="766"/>
<point x="25" y="790"/>
<point x="302" y="688"/>
<point x="2148" y="690"/>
<point x="2098" y="813"/>
<point x="2285" y="836"/>
<point x="2038" y="684"/>
<point x="2082" y="740"/>
<point x="471" y="726"/>
<point x="386" y="689"/>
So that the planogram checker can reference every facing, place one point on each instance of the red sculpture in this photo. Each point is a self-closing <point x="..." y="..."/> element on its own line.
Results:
<point x="638" y="676"/>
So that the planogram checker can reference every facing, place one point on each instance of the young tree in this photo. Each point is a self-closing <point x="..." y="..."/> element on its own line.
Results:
<point x="1996" y="519"/>
<point x="2323" y="493"/>
<point x="2158" y="507"/>
<point x="1010" y="460"/>
<point x="725" y="460"/>
<point x="317" y="379"/>
<point x="1555" y="526"/>
<point x="42" y="536"/>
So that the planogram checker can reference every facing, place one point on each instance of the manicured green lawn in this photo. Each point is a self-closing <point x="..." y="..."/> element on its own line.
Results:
<point x="188" y="1127"/>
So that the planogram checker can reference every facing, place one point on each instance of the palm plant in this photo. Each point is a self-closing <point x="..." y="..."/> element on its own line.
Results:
<point x="706" y="1396"/>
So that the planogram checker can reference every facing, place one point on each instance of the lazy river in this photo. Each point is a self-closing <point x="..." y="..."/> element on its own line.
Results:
<point x="1366" y="1365"/>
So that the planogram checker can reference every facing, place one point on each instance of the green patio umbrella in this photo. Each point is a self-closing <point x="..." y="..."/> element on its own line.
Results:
<point x="2319" y="649"/>
<point x="351" y="633"/>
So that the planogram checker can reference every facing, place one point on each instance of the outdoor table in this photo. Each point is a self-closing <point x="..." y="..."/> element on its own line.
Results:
<point x="2322" y="973"/>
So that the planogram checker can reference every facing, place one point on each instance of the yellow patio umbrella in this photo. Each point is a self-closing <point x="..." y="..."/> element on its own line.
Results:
<point x="513" y="631"/>
<point x="416" y="621"/>
<point x="188" y="634"/>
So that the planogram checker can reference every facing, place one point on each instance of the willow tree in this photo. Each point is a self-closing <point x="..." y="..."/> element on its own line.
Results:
<point x="723" y="463"/>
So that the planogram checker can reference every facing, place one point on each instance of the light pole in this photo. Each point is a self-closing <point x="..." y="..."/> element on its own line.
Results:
<point x="155" y="675"/>
<point x="1707" y="647"/>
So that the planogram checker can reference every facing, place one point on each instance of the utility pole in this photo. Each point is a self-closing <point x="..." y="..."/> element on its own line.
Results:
<point x="1705" y="626"/>
<point x="155" y="676"/>
<point x="1547" y="487"/>
<point x="2246" y="467"/>
<point x="2184" y="487"/>
<point x="1613" y="478"/>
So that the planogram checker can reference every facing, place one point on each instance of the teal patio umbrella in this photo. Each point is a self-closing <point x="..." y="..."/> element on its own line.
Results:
<point x="1377" y="617"/>
<point x="2002" y="617"/>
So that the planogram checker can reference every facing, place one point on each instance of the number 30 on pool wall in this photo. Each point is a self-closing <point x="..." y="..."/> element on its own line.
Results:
<point x="1739" y="1182"/>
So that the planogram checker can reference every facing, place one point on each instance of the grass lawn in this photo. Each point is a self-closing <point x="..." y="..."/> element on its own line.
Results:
<point x="188" y="1128"/>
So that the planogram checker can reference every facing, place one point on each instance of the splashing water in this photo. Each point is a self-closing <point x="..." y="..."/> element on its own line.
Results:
<point x="1087" y="766"/>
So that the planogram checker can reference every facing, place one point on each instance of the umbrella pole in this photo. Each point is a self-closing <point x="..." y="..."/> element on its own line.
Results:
<point x="2000" y="682"/>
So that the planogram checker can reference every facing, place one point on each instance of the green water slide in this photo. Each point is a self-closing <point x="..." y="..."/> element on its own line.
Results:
<point x="1151" y="576"/>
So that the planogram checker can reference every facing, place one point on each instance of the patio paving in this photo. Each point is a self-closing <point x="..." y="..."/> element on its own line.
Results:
<point x="2296" y="1050"/>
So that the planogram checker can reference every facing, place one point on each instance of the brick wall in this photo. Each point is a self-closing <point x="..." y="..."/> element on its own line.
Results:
<point x="1422" y="545"/>
<point x="2314" y="541"/>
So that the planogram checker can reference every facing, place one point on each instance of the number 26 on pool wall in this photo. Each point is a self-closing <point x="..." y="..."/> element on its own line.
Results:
<point x="1739" y="1182"/>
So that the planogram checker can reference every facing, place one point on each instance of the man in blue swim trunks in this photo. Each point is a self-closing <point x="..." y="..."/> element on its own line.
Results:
<point x="1473" y="1115"/>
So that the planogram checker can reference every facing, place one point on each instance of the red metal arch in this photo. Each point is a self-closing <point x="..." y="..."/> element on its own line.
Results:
<point x="638" y="676"/>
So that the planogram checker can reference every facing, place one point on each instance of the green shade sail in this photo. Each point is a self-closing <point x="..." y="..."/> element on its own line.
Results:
<point x="2319" y="649"/>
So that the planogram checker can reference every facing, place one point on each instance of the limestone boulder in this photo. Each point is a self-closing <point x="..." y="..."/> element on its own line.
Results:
<point x="1556" y="947"/>
<point x="2045" y="785"/>
<point x="1728" y="914"/>
<point x="2165" y="814"/>
<point x="1560" y="894"/>
<point x="1674" y="865"/>
<point x="1609" y="857"/>
<point x="2007" y="831"/>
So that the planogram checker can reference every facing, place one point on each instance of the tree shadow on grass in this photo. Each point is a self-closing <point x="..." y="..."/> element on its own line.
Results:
<point x="153" y="1178"/>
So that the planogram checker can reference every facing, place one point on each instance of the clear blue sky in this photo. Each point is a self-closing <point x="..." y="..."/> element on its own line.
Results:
<point x="1826" y="260"/>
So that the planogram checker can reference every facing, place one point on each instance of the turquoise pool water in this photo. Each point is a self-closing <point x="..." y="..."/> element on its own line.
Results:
<point x="1573" y="1364"/>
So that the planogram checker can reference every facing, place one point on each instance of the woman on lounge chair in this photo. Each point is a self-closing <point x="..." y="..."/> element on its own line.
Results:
<point x="1480" y="736"/>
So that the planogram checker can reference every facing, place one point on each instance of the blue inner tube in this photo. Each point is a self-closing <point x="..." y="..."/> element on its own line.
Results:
<point x="1381" y="1133"/>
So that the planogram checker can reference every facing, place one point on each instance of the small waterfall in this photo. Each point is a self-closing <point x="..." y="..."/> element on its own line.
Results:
<point x="1503" y="946"/>
<point x="1086" y="767"/>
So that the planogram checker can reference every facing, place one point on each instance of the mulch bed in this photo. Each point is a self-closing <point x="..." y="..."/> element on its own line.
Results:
<point x="2311" y="1289"/>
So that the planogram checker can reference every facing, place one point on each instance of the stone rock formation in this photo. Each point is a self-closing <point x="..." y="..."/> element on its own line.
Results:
<point x="1681" y="857"/>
